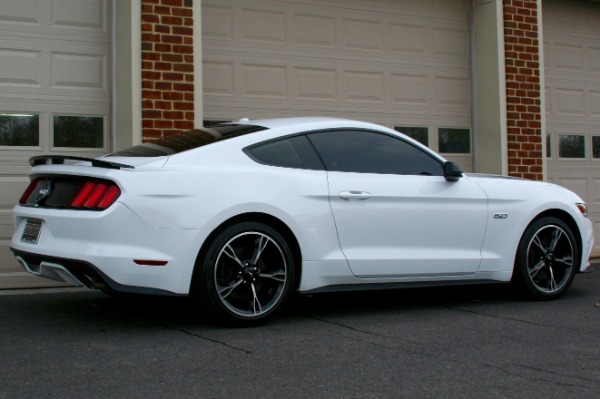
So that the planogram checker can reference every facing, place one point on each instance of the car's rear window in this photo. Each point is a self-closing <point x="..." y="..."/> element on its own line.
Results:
<point x="187" y="140"/>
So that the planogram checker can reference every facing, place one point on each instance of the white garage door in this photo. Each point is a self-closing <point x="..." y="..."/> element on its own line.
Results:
<point x="54" y="96"/>
<point x="572" y="68"/>
<point x="399" y="63"/>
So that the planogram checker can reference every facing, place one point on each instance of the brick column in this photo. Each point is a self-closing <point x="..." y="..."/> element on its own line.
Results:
<point x="167" y="67"/>
<point x="523" y="93"/>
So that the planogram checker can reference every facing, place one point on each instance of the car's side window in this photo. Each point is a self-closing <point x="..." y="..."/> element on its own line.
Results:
<point x="290" y="152"/>
<point x="372" y="152"/>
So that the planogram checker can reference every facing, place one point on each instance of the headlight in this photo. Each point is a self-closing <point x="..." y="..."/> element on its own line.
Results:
<point x="582" y="208"/>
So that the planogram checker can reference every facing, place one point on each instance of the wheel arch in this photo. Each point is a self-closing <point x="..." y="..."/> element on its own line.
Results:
<point x="265" y="218"/>
<point x="569" y="221"/>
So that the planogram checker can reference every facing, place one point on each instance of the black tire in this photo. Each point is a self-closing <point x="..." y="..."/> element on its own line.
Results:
<point x="246" y="275"/>
<point x="546" y="260"/>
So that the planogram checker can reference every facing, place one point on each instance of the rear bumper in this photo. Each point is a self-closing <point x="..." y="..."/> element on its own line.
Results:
<point x="99" y="250"/>
<point x="76" y="273"/>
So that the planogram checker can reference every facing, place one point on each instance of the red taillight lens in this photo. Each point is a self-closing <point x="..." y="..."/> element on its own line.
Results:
<point x="28" y="191"/>
<point x="97" y="195"/>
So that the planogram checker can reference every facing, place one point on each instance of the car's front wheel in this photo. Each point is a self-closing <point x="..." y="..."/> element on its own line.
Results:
<point x="246" y="275"/>
<point x="546" y="260"/>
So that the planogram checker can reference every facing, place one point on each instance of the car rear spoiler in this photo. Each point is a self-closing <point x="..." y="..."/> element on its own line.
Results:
<point x="60" y="159"/>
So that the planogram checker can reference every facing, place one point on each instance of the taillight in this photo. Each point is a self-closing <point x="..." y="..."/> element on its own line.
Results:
<point x="28" y="191"/>
<point x="95" y="195"/>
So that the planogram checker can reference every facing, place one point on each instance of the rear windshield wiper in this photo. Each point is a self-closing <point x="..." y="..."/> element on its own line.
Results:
<point x="60" y="159"/>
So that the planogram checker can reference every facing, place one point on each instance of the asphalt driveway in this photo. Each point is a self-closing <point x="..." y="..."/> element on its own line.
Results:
<point x="473" y="342"/>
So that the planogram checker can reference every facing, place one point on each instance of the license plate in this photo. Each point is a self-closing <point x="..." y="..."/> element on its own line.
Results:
<point x="33" y="227"/>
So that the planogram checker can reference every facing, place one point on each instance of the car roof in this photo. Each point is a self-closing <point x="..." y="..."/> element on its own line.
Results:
<point x="305" y="122"/>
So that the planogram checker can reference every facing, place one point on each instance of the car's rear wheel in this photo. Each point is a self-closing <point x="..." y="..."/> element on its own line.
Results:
<point x="247" y="274"/>
<point x="546" y="260"/>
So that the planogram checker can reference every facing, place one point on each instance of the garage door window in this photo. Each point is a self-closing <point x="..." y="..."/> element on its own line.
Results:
<point x="78" y="131"/>
<point x="596" y="147"/>
<point x="421" y="134"/>
<point x="19" y="130"/>
<point x="454" y="141"/>
<point x="571" y="146"/>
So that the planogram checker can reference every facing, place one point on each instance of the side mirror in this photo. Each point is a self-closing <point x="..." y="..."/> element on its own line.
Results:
<point x="452" y="172"/>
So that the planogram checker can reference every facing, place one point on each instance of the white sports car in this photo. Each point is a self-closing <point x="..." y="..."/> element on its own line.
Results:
<point x="243" y="214"/>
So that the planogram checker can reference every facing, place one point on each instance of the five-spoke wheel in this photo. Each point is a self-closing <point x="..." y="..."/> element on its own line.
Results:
<point x="546" y="260"/>
<point x="247" y="274"/>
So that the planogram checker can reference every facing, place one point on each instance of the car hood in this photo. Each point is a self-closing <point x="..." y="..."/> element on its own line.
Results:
<point x="483" y="176"/>
<point x="506" y="187"/>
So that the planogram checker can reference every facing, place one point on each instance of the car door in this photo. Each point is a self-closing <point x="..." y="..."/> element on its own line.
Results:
<point x="395" y="213"/>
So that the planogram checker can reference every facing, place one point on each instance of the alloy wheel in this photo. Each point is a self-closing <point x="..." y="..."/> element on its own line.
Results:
<point x="550" y="259"/>
<point x="250" y="274"/>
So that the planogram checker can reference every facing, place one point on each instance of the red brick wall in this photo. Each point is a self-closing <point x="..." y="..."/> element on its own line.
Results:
<point x="523" y="94"/>
<point x="167" y="67"/>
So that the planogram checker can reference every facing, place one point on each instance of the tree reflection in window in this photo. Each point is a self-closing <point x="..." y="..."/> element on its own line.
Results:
<point x="78" y="131"/>
<point x="454" y="141"/>
<point x="571" y="146"/>
<point x="19" y="129"/>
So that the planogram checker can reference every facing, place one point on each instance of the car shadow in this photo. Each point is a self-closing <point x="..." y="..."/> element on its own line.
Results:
<point x="103" y="312"/>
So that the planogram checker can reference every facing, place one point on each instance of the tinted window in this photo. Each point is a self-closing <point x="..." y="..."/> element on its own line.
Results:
<point x="454" y="141"/>
<point x="188" y="140"/>
<point x="371" y="152"/>
<point x="292" y="152"/>
<point x="421" y="134"/>
<point x="571" y="146"/>
<point x="78" y="131"/>
<point x="19" y="129"/>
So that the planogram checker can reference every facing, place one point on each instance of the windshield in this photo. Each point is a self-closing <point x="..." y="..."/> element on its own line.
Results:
<point x="187" y="140"/>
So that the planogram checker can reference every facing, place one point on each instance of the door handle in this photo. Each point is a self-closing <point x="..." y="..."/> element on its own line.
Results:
<point x="354" y="195"/>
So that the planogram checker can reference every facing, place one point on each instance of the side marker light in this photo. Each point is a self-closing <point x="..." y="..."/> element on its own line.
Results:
<point x="149" y="262"/>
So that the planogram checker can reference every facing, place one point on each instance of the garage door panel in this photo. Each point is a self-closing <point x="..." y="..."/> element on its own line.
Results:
<point x="332" y="84"/>
<point x="27" y="14"/>
<point x="79" y="71"/>
<point x="86" y="19"/>
<point x="20" y="67"/>
<point x="54" y="66"/>
<point x="219" y="78"/>
<point x="316" y="84"/>
<point x="450" y="91"/>
<point x="263" y="26"/>
<point x="570" y="101"/>
<point x="218" y="22"/>
<point x="569" y="57"/>
<point x="406" y="37"/>
<point x="264" y="81"/>
<point x="362" y="34"/>
<point x="351" y="32"/>
<point x="594" y="103"/>
<point x="44" y="69"/>
<point x="363" y="86"/>
<point x="451" y="42"/>
<point x="411" y="89"/>
<point x="79" y="15"/>
<point x="314" y="30"/>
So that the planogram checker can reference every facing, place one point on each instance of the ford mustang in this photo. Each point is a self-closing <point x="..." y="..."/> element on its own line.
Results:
<point x="242" y="215"/>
